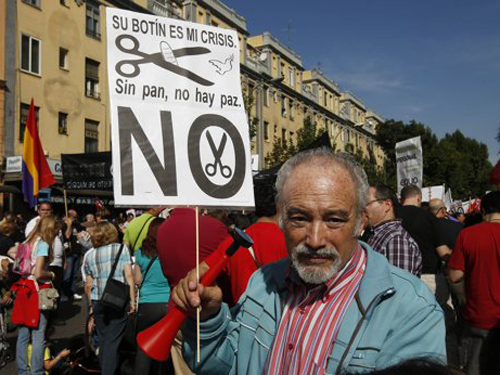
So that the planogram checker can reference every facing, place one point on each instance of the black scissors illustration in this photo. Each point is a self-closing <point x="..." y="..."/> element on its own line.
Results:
<point x="165" y="59"/>
<point x="211" y="168"/>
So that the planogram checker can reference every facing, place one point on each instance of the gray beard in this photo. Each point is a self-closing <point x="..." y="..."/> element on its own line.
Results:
<point x="311" y="274"/>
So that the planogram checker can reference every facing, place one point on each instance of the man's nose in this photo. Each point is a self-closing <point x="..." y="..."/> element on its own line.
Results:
<point x="316" y="235"/>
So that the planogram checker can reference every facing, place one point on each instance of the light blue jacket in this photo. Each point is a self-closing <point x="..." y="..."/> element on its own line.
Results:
<point x="394" y="317"/>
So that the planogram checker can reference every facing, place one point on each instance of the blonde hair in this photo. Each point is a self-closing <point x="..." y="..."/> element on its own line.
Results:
<point x="46" y="229"/>
<point x="103" y="233"/>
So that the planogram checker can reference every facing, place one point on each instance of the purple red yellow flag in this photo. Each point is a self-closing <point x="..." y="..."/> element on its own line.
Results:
<point x="495" y="174"/>
<point x="36" y="172"/>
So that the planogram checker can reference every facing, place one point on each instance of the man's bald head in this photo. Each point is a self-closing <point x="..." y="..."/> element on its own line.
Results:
<point x="437" y="207"/>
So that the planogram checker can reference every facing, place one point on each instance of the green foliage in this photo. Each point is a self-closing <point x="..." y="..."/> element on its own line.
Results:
<point x="278" y="154"/>
<point x="461" y="163"/>
<point x="248" y="103"/>
<point x="282" y="150"/>
<point x="307" y="134"/>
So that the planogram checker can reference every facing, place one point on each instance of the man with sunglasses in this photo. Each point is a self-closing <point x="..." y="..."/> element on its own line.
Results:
<point x="387" y="235"/>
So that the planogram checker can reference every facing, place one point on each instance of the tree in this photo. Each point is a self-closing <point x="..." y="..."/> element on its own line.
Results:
<point x="307" y="134"/>
<point x="459" y="162"/>
<point x="248" y="103"/>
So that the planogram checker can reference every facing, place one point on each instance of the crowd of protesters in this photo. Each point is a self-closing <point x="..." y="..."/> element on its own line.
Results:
<point x="341" y="278"/>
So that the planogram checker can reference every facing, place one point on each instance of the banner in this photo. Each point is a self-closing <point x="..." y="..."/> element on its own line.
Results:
<point x="410" y="163"/>
<point x="91" y="171"/>
<point x="178" y="123"/>
<point x="432" y="192"/>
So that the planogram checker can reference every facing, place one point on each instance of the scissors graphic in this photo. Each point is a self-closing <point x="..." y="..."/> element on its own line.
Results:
<point x="167" y="59"/>
<point x="211" y="168"/>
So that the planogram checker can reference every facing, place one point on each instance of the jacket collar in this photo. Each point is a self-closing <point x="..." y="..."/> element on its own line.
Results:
<point x="376" y="280"/>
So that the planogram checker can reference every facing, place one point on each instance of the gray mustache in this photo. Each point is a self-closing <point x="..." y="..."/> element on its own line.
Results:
<point x="324" y="252"/>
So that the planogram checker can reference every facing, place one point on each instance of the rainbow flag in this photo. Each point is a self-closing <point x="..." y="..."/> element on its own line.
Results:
<point x="36" y="172"/>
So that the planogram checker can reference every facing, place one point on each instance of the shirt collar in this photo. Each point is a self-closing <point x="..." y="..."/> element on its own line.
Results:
<point x="383" y="224"/>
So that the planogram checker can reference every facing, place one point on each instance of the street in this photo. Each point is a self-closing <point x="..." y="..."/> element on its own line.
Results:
<point x="68" y="324"/>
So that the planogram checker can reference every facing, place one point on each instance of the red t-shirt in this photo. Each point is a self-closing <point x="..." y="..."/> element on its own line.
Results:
<point x="269" y="246"/>
<point x="477" y="254"/>
<point x="176" y="242"/>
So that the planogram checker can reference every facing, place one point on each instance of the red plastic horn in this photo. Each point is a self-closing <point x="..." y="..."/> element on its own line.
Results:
<point x="157" y="340"/>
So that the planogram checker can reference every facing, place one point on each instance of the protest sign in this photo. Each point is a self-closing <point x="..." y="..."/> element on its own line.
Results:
<point x="409" y="163"/>
<point x="178" y="123"/>
<point x="432" y="192"/>
<point x="90" y="171"/>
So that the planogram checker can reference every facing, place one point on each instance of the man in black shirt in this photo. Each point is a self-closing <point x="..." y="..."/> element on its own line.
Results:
<point x="424" y="228"/>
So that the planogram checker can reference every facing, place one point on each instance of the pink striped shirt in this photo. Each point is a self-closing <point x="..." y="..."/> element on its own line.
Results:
<point x="311" y="320"/>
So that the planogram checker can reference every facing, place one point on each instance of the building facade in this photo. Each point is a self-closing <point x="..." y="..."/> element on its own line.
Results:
<point x="55" y="53"/>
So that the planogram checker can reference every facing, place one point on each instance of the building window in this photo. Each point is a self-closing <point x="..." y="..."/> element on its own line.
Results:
<point x="63" y="123"/>
<point x="290" y="77"/>
<point x="283" y="137"/>
<point x="91" y="135"/>
<point x="24" y="118"/>
<point x="30" y="54"/>
<point x="291" y="109"/>
<point x="266" y="96"/>
<point x="284" y="101"/>
<point x="63" y="58"/>
<point x="92" y="22"/>
<point x="266" y="131"/>
<point x="325" y="99"/>
<point x="35" y="3"/>
<point x="92" y="78"/>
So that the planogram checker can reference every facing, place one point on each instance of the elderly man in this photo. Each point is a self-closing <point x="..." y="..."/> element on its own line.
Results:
<point x="388" y="237"/>
<point x="335" y="305"/>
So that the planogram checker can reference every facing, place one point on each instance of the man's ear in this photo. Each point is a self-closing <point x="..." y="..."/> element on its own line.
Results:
<point x="364" y="222"/>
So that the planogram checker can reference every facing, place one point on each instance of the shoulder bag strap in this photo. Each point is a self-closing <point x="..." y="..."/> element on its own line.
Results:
<point x="147" y="270"/>
<point x="116" y="262"/>
<point x="139" y="235"/>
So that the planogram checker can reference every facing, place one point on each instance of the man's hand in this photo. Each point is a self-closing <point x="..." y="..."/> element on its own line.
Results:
<point x="189" y="294"/>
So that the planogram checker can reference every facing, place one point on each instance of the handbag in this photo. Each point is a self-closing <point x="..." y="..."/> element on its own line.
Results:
<point x="47" y="297"/>
<point x="131" y="329"/>
<point x="116" y="293"/>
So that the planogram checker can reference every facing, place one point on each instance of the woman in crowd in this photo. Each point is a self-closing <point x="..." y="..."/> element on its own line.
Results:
<point x="33" y="322"/>
<point x="7" y="229"/>
<point x="153" y="296"/>
<point x="110" y="323"/>
<point x="57" y="263"/>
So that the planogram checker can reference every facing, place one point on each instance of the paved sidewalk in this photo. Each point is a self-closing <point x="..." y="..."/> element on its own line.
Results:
<point x="69" y="323"/>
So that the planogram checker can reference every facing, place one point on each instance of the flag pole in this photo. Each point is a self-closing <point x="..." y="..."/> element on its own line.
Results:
<point x="197" y="228"/>
<point x="65" y="202"/>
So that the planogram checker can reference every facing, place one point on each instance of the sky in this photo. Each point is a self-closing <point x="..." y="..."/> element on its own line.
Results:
<point x="433" y="61"/>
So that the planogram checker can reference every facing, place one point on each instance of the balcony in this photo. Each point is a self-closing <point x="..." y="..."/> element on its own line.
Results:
<point x="170" y="9"/>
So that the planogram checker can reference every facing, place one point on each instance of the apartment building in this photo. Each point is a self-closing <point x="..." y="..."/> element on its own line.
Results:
<point x="55" y="52"/>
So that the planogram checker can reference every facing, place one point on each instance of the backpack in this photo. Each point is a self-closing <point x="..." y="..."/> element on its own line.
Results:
<point x="22" y="262"/>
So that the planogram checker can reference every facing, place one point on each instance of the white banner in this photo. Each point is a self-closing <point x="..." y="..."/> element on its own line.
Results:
<point x="432" y="192"/>
<point x="178" y="123"/>
<point x="410" y="163"/>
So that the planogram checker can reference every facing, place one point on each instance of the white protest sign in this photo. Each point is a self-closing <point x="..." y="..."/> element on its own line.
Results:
<point x="178" y="123"/>
<point x="410" y="164"/>
<point x="432" y="192"/>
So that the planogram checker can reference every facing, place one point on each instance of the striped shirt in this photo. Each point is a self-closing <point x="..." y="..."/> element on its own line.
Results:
<point x="390" y="239"/>
<point x="311" y="320"/>
<point x="98" y="265"/>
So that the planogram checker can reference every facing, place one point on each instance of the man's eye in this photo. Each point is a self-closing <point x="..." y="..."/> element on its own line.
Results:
<point x="297" y="219"/>
<point x="334" y="221"/>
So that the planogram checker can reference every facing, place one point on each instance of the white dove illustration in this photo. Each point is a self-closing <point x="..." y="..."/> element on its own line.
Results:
<point x="223" y="67"/>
